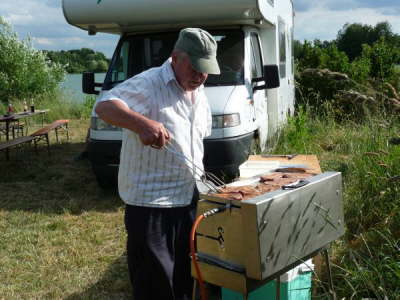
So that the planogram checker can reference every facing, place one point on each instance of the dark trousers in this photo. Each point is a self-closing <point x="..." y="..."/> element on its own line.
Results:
<point x="158" y="251"/>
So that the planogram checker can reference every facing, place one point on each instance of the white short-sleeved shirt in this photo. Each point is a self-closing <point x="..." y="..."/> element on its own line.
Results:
<point x="159" y="178"/>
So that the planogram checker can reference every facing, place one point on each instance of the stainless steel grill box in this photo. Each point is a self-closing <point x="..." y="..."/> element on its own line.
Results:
<point x="258" y="239"/>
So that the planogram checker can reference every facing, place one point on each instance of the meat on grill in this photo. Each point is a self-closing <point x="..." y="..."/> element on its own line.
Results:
<point x="267" y="183"/>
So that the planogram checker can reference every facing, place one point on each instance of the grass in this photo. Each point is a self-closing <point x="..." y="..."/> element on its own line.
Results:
<point x="62" y="236"/>
<point x="367" y="259"/>
<point x="59" y="104"/>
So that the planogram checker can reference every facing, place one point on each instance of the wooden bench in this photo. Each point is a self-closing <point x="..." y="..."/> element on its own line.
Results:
<point x="17" y="141"/>
<point x="17" y="129"/>
<point x="44" y="132"/>
<point x="37" y="136"/>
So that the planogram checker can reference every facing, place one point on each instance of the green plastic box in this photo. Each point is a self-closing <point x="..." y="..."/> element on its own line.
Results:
<point x="295" y="285"/>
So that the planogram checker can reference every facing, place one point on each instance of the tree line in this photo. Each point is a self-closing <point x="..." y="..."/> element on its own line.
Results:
<point x="79" y="60"/>
<point x="361" y="51"/>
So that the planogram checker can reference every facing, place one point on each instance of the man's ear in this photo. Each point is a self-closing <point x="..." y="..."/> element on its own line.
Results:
<point x="174" y="57"/>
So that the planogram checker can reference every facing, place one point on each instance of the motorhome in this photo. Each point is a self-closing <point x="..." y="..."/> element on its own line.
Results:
<point x="251" y="98"/>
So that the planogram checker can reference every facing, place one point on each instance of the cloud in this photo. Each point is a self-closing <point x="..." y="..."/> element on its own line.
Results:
<point x="19" y="19"/>
<point x="324" y="23"/>
<point x="345" y="5"/>
<point x="28" y="12"/>
<point x="53" y="3"/>
<point x="43" y="41"/>
<point x="43" y="21"/>
<point x="377" y="3"/>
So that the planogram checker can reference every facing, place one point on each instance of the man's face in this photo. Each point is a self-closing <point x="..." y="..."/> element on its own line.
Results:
<point x="189" y="79"/>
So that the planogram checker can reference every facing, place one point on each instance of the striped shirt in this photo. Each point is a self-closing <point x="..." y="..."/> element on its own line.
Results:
<point x="159" y="178"/>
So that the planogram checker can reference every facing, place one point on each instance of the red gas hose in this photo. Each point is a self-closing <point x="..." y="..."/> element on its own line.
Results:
<point x="203" y="291"/>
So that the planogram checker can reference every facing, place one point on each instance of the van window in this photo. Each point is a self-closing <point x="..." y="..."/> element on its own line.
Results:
<point x="282" y="48"/>
<point x="292" y="47"/>
<point x="120" y="71"/>
<point x="137" y="54"/>
<point x="141" y="52"/>
<point x="255" y="58"/>
<point x="230" y="56"/>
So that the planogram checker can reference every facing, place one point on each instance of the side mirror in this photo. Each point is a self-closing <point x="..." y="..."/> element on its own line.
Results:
<point x="271" y="78"/>
<point x="88" y="83"/>
<point x="271" y="75"/>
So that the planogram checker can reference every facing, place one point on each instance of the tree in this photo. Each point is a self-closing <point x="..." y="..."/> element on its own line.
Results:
<point x="352" y="36"/>
<point x="24" y="71"/>
<point x="321" y="55"/>
<point x="310" y="56"/>
<point x="79" y="60"/>
<point x="382" y="57"/>
<point x="334" y="60"/>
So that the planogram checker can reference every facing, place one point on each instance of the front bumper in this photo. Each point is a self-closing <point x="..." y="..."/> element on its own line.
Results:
<point x="221" y="156"/>
<point x="224" y="156"/>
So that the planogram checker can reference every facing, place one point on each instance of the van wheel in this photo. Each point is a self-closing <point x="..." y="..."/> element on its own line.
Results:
<point x="107" y="179"/>
<point x="106" y="183"/>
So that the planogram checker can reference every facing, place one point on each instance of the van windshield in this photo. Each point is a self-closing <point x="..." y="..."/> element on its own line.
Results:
<point x="138" y="53"/>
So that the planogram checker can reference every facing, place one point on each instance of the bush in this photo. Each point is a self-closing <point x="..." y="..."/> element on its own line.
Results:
<point x="24" y="71"/>
<point x="366" y="259"/>
<point x="309" y="56"/>
<point x="360" y="69"/>
<point x="319" y="85"/>
<point x="334" y="60"/>
<point x="383" y="58"/>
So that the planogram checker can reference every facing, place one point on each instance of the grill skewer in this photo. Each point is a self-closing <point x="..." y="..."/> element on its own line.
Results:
<point x="207" y="178"/>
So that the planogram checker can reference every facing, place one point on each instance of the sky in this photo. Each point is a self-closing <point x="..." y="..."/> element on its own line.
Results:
<point x="43" y="21"/>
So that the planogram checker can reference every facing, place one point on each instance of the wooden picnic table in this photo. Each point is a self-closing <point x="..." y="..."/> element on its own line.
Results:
<point x="8" y="119"/>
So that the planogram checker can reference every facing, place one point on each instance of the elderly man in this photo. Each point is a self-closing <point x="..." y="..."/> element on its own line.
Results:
<point x="164" y="106"/>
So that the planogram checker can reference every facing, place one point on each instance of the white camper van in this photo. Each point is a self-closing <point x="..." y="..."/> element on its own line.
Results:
<point x="249" y="100"/>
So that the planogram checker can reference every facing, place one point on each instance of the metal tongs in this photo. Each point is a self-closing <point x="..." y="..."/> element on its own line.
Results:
<point x="207" y="178"/>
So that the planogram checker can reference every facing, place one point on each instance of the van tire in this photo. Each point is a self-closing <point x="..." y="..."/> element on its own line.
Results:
<point x="105" y="178"/>
<point x="105" y="183"/>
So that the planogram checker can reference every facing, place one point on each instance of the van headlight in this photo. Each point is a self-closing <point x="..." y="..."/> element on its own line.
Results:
<point x="98" y="124"/>
<point x="223" y="121"/>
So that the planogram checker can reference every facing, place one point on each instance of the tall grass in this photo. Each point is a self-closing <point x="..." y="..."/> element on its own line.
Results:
<point x="62" y="237"/>
<point x="59" y="104"/>
<point x="367" y="258"/>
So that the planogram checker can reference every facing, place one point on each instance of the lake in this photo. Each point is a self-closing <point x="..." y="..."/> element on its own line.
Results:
<point x="73" y="85"/>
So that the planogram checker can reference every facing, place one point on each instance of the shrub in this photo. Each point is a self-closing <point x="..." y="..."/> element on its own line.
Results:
<point x="366" y="259"/>
<point x="24" y="71"/>
<point x="334" y="60"/>
<point x="360" y="69"/>
<point x="382" y="57"/>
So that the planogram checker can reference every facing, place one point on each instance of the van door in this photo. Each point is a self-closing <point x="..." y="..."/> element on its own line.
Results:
<point x="259" y="96"/>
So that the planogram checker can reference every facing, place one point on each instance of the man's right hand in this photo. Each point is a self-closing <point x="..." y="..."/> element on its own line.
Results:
<point x="154" y="134"/>
<point x="151" y="133"/>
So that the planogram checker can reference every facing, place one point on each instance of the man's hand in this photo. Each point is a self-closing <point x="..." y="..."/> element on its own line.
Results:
<point x="154" y="134"/>
<point x="151" y="133"/>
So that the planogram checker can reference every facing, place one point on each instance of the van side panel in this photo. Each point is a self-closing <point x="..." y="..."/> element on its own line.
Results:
<point x="133" y="15"/>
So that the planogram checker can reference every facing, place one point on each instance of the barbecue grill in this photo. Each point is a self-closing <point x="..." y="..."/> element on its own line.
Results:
<point x="254" y="241"/>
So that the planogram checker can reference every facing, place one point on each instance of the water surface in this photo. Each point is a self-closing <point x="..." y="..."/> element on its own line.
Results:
<point x="72" y="85"/>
